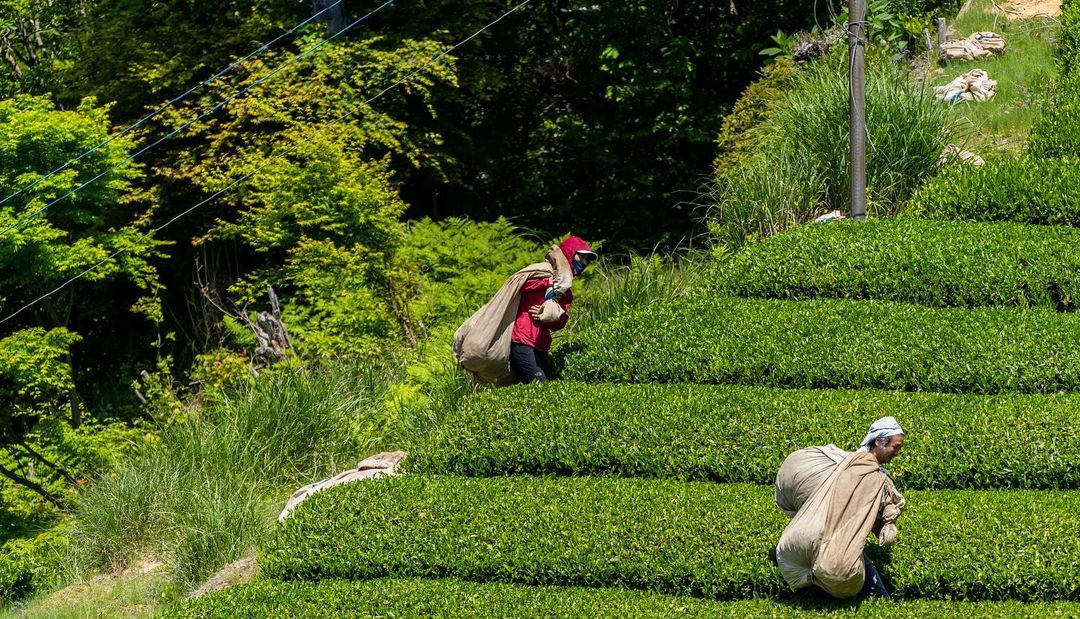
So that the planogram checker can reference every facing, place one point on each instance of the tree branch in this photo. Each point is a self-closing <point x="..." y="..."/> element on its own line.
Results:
<point x="52" y="465"/>
<point x="22" y="481"/>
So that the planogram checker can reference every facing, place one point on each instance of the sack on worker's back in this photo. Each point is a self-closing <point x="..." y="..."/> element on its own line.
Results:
<point x="802" y="473"/>
<point x="823" y="544"/>
<point x="482" y="344"/>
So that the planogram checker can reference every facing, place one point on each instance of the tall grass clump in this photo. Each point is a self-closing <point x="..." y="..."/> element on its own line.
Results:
<point x="800" y="162"/>
<point x="207" y="493"/>
<point x="642" y="280"/>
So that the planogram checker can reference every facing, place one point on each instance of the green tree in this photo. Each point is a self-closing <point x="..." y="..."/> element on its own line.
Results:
<point x="321" y="219"/>
<point x="61" y="356"/>
<point x="36" y="44"/>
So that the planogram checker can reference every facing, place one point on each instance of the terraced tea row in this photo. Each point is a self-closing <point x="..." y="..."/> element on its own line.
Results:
<point x="452" y="598"/>
<point x="838" y="344"/>
<point x="935" y="263"/>
<point x="730" y="433"/>
<point x="704" y="540"/>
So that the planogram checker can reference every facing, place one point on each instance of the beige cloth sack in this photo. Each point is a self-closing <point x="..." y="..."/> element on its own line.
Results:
<point x="975" y="85"/>
<point x="976" y="47"/>
<point x="823" y="544"/>
<point x="954" y="153"/>
<point x="482" y="344"/>
<point x="802" y="473"/>
<point x="380" y="465"/>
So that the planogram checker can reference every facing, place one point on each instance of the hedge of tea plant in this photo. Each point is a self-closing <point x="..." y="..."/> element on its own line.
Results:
<point x="936" y="263"/>
<point x="455" y="598"/>
<point x="840" y="344"/>
<point x="729" y="433"/>
<point x="663" y="536"/>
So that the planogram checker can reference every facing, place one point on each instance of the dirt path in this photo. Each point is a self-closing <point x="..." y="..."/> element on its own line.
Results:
<point x="1023" y="9"/>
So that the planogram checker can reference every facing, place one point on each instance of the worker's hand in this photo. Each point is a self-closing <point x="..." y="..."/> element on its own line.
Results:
<point x="536" y="311"/>
<point x="887" y="537"/>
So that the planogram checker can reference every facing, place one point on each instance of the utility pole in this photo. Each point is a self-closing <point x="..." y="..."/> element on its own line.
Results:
<point x="857" y="48"/>
<point x="334" y="18"/>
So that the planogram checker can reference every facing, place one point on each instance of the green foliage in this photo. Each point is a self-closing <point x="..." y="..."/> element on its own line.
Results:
<point x="454" y="598"/>
<point x="611" y="290"/>
<point x="885" y="25"/>
<point x="913" y="261"/>
<point x="142" y="52"/>
<point x="734" y="434"/>
<point x="35" y="368"/>
<point x="587" y="532"/>
<point x="706" y="540"/>
<point x="62" y="356"/>
<point x="608" y="114"/>
<point x="833" y="344"/>
<point x="768" y="192"/>
<point x="203" y="496"/>
<point x="32" y="564"/>
<point x="946" y="8"/>
<point x="798" y="164"/>
<point x="754" y="107"/>
<point x="321" y="225"/>
<point x="459" y="264"/>
<point x="1068" y="43"/>
<point x="78" y="232"/>
<point x="1027" y="190"/>
<point x="35" y="45"/>
<point x="1056" y="132"/>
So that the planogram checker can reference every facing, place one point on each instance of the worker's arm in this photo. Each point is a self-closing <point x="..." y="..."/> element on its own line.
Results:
<point x="565" y="317"/>
<point x="892" y="505"/>
<point x="552" y="312"/>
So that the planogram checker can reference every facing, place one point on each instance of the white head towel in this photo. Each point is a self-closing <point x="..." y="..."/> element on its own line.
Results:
<point x="882" y="428"/>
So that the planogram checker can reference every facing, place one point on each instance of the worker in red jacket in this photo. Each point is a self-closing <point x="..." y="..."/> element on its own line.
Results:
<point x="531" y="339"/>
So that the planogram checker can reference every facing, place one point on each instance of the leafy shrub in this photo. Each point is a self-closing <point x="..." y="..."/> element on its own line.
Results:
<point x="31" y="564"/>
<point x="454" y="598"/>
<point x="705" y="540"/>
<point x="913" y="261"/>
<point x="946" y="8"/>
<point x="460" y="264"/>
<point x="1025" y="190"/>
<point x="833" y="344"/>
<point x="738" y="133"/>
<point x="742" y="434"/>
<point x="799" y="160"/>
<point x="1069" y="36"/>
<point x="1056" y="130"/>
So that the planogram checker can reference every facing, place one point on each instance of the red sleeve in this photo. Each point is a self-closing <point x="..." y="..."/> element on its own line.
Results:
<point x="538" y="283"/>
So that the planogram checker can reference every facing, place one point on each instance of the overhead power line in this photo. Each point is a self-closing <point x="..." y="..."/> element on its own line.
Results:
<point x="206" y="113"/>
<point x="167" y="105"/>
<point x="275" y="158"/>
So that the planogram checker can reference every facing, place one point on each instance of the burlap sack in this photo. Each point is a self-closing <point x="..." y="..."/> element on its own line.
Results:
<point x="824" y="543"/>
<point x="380" y="465"/>
<point x="975" y="47"/>
<point x="802" y="474"/>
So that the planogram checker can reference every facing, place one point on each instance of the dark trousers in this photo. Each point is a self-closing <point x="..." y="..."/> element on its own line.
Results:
<point x="872" y="587"/>
<point x="528" y="364"/>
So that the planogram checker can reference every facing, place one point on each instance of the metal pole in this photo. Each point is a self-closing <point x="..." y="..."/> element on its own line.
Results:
<point x="941" y="30"/>
<point x="857" y="47"/>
